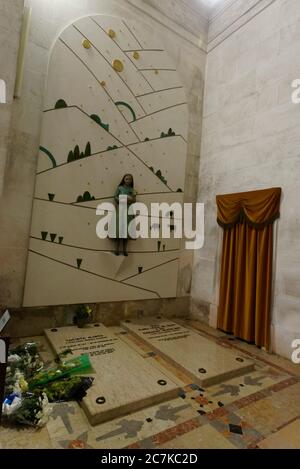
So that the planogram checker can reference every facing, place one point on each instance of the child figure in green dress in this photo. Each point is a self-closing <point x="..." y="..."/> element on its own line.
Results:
<point x="125" y="188"/>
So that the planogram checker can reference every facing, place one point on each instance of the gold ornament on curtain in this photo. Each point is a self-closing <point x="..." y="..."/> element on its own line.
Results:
<point x="257" y="208"/>
<point x="246" y="268"/>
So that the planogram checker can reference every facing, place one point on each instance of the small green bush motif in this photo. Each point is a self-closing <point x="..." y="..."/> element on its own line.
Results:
<point x="97" y="119"/>
<point x="78" y="155"/>
<point x="61" y="104"/>
<point x="86" y="197"/>
<point x="170" y="133"/>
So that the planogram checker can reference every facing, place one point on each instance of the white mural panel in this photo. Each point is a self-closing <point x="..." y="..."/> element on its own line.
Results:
<point x="114" y="105"/>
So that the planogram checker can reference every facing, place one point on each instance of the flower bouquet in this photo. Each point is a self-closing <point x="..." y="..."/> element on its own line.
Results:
<point x="83" y="315"/>
<point x="30" y="410"/>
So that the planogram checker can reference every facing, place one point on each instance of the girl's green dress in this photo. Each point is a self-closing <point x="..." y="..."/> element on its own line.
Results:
<point x="129" y="191"/>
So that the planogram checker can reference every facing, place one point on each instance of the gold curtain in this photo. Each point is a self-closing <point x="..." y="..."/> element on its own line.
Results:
<point x="246" y="268"/>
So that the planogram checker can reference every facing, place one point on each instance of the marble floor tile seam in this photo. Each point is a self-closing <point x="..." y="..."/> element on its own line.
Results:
<point x="210" y="417"/>
<point x="145" y="348"/>
<point x="286" y="424"/>
<point x="197" y="330"/>
<point x="168" y="364"/>
<point x="223" y="340"/>
<point x="196" y="325"/>
<point x="264" y="393"/>
<point x="168" y="434"/>
<point x="260" y="359"/>
<point x="188" y="426"/>
<point x="239" y="441"/>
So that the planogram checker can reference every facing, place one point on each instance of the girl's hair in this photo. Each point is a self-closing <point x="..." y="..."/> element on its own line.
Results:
<point x="122" y="183"/>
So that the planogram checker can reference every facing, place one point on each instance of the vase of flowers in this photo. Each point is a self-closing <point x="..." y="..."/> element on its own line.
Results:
<point x="83" y="315"/>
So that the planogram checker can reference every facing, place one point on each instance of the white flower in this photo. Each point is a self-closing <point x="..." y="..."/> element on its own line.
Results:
<point x="43" y="415"/>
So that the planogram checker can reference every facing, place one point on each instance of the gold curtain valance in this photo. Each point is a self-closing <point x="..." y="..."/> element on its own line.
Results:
<point x="257" y="208"/>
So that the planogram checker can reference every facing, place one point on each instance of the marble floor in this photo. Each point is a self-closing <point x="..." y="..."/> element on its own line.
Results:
<point x="260" y="409"/>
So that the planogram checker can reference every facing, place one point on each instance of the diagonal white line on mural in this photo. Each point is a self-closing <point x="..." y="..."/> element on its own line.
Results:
<point x="152" y="268"/>
<point x="160" y="91"/>
<point x="92" y="273"/>
<point x="160" y="110"/>
<point x="132" y="33"/>
<point x="102" y="152"/>
<point x="90" y="71"/>
<point x="140" y="50"/>
<point x="107" y="250"/>
<point x="108" y="131"/>
<point x="112" y="69"/>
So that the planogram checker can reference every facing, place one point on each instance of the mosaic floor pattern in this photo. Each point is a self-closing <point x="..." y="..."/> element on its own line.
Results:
<point x="260" y="409"/>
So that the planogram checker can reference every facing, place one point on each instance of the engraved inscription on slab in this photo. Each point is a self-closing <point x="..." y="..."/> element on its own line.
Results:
<point x="207" y="362"/>
<point x="124" y="380"/>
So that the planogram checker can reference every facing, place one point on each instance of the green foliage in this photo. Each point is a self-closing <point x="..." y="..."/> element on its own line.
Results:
<point x="86" y="197"/>
<point x="160" y="176"/>
<point x="83" y="315"/>
<point x="170" y="133"/>
<point x="105" y="127"/>
<point x="114" y="147"/>
<point x="27" y="413"/>
<point x="76" y="153"/>
<point x="88" y="150"/>
<point x="97" y="119"/>
<point x="158" y="173"/>
<point x="66" y="389"/>
<point x="83" y="312"/>
<point x="61" y="104"/>
<point x="60" y="356"/>
<point x="71" y="156"/>
<point x="63" y="370"/>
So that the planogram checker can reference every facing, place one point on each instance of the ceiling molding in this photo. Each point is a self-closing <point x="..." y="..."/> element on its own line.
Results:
<point x="152" y="9"/>
<point x="233" y="17"/>
<point x="218" y="10"/>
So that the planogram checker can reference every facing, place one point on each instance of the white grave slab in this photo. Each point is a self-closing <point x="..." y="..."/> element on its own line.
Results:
<point x="124" y="381"/>
<point x="207" y="362"/>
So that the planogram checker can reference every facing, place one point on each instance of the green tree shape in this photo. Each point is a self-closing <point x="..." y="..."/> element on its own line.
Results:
<point x="85" y="198"/>
<point x="71" y="156"/>
<point x="60" y="104"/>
<point x="88" y="150"/>
<point x="76" y="153"/>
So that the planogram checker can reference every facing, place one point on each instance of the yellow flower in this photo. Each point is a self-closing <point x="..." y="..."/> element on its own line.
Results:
<point x="23" y="384"/>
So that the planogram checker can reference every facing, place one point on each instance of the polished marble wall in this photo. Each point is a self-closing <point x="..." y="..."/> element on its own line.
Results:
<point x="250" y="141"/>
<point x="10" y="27"/>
